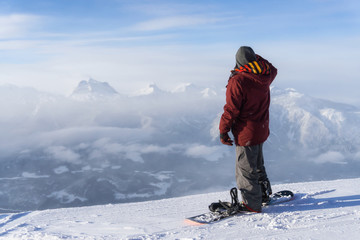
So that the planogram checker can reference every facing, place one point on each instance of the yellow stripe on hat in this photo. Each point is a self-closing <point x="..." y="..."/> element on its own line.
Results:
<point x="253" y="68"/>
<point x="257" y="66"/>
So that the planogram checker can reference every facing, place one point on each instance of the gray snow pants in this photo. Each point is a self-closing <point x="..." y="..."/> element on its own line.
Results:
<point x="249" y="171"/>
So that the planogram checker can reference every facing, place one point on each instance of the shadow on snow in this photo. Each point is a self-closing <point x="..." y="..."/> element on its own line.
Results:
<point x="308" y="202"/>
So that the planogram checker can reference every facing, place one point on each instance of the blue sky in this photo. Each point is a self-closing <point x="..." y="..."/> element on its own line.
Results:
<point x="52" y="45"/>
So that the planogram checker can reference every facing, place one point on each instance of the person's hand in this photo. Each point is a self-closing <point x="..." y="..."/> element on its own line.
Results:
<point x="225" y="139"/>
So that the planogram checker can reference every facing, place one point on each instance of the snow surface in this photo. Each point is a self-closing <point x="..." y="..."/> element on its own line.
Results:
<point x="320" y="210"/>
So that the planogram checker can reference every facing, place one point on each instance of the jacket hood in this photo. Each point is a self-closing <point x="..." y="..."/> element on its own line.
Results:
<point x="260" y="72"/>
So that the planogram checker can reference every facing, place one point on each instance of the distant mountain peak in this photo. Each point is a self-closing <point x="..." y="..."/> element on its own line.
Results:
<point x="183" y="87"/>
<point x="151" y="89"/>
<point x="192" y="89"/>
<point x="88" y="89"/>
<point x="208" y="92"/>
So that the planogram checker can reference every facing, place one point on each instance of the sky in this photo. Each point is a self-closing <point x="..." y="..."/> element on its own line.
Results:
<point x="53" y="45"/>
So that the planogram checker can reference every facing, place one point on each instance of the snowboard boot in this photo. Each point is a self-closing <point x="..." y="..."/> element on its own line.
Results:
<point x="266" y="191"/>
<point x="244" y="208"/>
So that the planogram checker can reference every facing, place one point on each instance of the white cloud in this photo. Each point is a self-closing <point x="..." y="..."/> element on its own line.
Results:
<point x="61" y="170"/>
<point x="331" y="157"/>
<point x="56" y="61"/>
<point x="63" y="66"/>
<point x="18" y="44"/>
<point x="108" y="147"/>
<point x="16" y="25"/>
<point x="63" y="154"/>
<point x="32" y="175"/>
<point x="212" y="153"/>
<point x="174" y="22"/>
<point x="328" y="63"/>
<point x="65" y="197"/>
<point x="357" y="156"/>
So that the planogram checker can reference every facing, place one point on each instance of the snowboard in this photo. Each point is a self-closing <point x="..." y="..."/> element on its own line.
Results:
<point x="211" y="217"/>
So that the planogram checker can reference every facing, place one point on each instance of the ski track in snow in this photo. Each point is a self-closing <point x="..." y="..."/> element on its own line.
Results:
<point x="320" y="210"/>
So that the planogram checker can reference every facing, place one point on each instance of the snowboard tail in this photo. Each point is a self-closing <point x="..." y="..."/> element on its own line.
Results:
<point x="211" y="217"/>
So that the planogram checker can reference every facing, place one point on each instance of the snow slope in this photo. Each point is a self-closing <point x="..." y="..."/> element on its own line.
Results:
<point x="321" y="210"/>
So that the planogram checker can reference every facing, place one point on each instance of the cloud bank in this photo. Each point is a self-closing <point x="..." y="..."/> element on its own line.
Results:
<point x="99" y="146"/>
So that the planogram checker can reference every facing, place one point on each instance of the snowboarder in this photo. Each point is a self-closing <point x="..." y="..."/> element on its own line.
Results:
<point x="246" y="115"/>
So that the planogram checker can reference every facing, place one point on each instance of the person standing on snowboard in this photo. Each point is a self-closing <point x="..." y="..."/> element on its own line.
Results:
<point x="246" y="115"/>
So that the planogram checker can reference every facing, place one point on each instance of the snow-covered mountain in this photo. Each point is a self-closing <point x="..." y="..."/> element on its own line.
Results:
<point x="57" y="151"/>
<point x="314" y="123"/>
<point x="313" y="137"/>
<point x="320" y="210"/>
<point x="192" y="89"/>
<point x="92" y="89"/>
<point x="152" y="89"/>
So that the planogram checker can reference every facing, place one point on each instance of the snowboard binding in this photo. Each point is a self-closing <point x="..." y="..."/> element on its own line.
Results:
<point x="227" y="207"/>
<point x="266" y="191"/>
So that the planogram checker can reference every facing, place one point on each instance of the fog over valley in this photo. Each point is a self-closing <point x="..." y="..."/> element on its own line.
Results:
<point x="97" y="146"/>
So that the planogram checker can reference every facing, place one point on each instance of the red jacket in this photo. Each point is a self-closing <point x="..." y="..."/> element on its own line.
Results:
<point x="246" y="112"/>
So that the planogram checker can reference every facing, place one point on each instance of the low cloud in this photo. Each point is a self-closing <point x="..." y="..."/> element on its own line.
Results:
<point x="330" y="157"/>
<point x="63" y="154"/>
<point x="211" y="153"/>
<point x="120" y="148"/>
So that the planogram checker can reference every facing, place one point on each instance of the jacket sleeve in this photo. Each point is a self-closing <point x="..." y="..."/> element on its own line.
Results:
<point x="233" y="105"/>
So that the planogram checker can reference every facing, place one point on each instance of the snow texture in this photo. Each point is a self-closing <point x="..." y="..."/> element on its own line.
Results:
<point x="320" y="210"/>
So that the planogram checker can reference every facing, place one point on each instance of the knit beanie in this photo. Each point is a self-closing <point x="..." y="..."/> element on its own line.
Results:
<point x="245" y="55"/>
